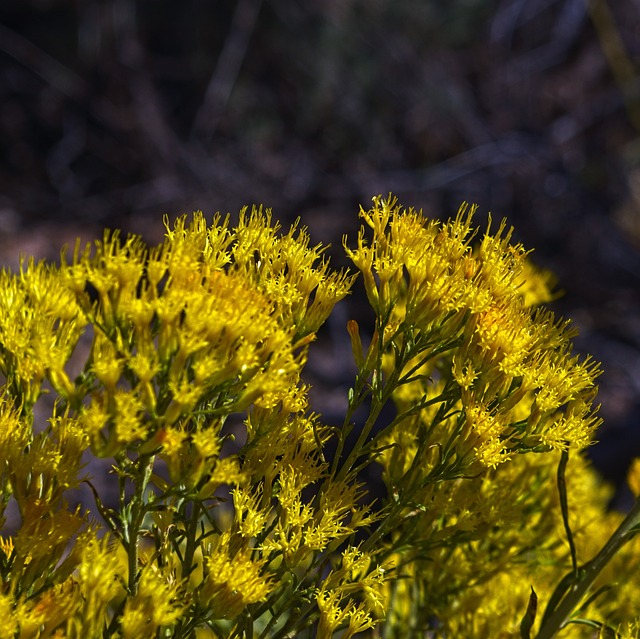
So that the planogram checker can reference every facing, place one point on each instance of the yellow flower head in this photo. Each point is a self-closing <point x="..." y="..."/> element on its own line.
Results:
<point x="159" y="603"/>
<point x="459" y="312"/>
<point x="232" y="580"/>
<point x="182" y="364"/>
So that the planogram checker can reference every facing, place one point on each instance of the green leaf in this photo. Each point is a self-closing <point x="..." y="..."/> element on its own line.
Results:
<point x="529" y="616"/>
<point x="564" y="506"/>
<point x="605" y="631"/>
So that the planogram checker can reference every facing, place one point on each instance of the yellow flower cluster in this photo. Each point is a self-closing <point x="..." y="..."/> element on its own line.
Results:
<point x="148" y="352"/>
<point x="236" y="512"/>
<point x="232" y="580"/>
<point x="488" y="394"/>
<point x="486" y="542"/>
<point x="493" y="371"/>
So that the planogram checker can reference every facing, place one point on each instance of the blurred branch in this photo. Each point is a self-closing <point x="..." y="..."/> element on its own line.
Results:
<point x="565" y="31"/>
<point x="227" y="68"/>
<point x="147" y="104"/>
<point x="506" y="20"/>
<point x="619" y="62"/>
<point x="507" y="151"/>
<point x="56" y="75"/>
<point x="41" y="63"/>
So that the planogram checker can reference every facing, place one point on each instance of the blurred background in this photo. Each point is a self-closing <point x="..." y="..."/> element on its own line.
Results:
<point x="115" y="112"/>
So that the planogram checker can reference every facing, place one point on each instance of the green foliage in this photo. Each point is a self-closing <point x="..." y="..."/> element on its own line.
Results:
<point x="181" y="364"/>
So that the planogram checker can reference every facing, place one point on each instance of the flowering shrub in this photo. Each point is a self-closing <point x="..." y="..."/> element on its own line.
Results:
<point x="181" y="364"/>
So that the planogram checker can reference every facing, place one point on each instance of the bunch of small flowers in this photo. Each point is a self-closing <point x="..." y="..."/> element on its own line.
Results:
<point x="491" y="504"/>
<point x="238" y="512"/>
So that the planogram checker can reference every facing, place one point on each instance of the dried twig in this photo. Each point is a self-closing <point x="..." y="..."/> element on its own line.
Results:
<point x="227" y="68"/>
<point x="41" y="63"/>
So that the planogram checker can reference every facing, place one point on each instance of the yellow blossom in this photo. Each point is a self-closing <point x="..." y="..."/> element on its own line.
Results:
<point x="293" y="274"/>
<point x="159" y="603"/>
<point x="107" y="364"/>
<point x="47" y="615"/>
<point x="226" y="471"/>
<point x="335" y="599"/>
<point x="128" y="417"/>
<point x="249" y="516"/>
<point x="238" y="509"/>
<point x="232" y="580"/>
<point x="8" y="621"/>
<point x="100" y="577"/>
<point x="633" y="476"/>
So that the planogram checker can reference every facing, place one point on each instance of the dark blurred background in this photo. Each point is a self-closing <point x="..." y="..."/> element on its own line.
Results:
<point x="115" y="112"/>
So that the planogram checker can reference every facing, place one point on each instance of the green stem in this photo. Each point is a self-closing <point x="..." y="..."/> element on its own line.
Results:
<point x="191" y="533"/>
<point x="588" y="574"/>
<point x="354" y="403"/>
<point x="137" y="517"/>
<point x="372" y="368"/>
<point x="389" y="523"/>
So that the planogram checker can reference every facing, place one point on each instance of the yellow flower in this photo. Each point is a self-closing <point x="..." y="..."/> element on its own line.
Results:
<point x="232" y="580"/>
<point x="8" y="621"/>
<point x="573" y="428"/>
<point x="195" y="367"/>
<point x="633" y="477"/>
<point x="432" y="255"/>
<point x="47" y="615"/>
<point x="93" y="418"/>
<point x="173" y="442"/>
<point x="107" y="364"/>
<point x="159" y="603"/>
<point x="535" y="285"/>
<point x="41" y="324"/>
<point x="226" y="471"/>
<point x="130" y="423"/>
<point x="15" y="433"/>
<point x="334" y="597"/>
<point x="250" y="518"/>
<point x="505" y="336"/>
<point x="464" y="374"/>
<point x="359" y="621"/>
<point x="188" y="244"/>
<point x="457" y="313"/>
<point x="41" y="541"/>
<point x="289" y="272"/>
<point x="100" y="577"/>
<point x="332" y="615"/>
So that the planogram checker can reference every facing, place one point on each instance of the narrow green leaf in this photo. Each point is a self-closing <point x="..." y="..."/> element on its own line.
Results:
<point x="604" y="631"/>
<point x="529" y="616"/>
<point x="564" y="506"/>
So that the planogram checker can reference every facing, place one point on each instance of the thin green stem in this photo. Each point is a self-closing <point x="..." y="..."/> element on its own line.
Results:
<point x="354" y="403"/>
<point x="137" y="517"/>
<point x="191" y="533"/>
<point x="389" y="523"/>
<point x="588" y="573"/>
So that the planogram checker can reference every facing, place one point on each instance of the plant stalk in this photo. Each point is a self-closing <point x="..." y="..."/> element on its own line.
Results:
<point x="589" y="573"/>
